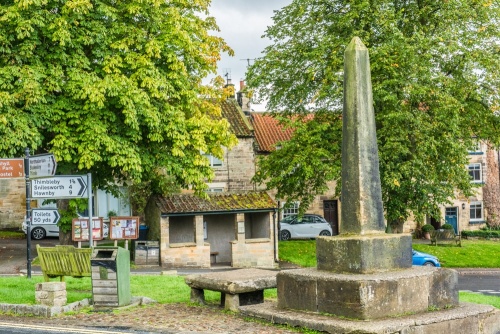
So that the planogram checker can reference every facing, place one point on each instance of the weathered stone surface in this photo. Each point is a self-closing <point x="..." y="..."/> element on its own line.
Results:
<point x="368" y="296"/>
<point x="364" y="253"/>
<point x="234" y="281"/>
<point x="464" y="319"/>
<point x="362" y="209"/>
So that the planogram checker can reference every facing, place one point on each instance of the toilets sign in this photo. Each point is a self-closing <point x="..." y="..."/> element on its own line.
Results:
<point x="67" y="186"/>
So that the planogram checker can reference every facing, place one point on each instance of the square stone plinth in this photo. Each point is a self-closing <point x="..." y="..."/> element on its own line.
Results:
<point x="364" y="254"/>
<point x="367" y="296"/>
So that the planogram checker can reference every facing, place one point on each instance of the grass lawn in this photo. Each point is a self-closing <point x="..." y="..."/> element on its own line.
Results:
<point x="473" y="254"/>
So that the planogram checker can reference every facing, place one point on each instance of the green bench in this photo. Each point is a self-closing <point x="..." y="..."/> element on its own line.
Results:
<point x="445" y="236"/>
<point x="60" y="261"/>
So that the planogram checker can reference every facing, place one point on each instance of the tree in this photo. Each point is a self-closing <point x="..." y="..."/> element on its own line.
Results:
<point x="113" y="88"/>
<point x="435" y="71"/>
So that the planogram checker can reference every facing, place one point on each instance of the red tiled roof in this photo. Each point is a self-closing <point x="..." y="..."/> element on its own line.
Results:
<point x="239" y="123"/>
<point x="268" y="131"/>
<point x="217" y="202"/>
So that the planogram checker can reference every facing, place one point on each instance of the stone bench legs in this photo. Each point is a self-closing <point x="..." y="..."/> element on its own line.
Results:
<point x="230" y="301"/>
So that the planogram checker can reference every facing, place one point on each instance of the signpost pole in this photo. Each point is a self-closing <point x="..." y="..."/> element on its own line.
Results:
<point x="28" y="211"/>
<point x="89" y="193"/>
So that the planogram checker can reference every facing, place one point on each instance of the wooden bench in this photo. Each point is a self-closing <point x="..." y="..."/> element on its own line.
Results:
<point x="445" y="236"/>
<point x="63" y="261"/>
<point x="237" y="287"/>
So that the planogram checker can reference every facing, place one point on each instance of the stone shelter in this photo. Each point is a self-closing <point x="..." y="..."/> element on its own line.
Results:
<point x="237" y="229"/>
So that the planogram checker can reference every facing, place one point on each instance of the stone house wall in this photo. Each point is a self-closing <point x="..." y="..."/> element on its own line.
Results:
<point x="12" y="203"/>
<point x="237" y="169"/>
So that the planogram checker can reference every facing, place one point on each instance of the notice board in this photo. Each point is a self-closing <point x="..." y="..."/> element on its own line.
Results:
<point x="123" y="228"/>
<point x="80" y="230"/>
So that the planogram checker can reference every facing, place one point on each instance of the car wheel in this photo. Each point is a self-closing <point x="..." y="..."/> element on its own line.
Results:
<point x="325" y="232"/>
<point x="285" y="235"/>
<point x="38" y="233"/>
<point x="429" y="264"/>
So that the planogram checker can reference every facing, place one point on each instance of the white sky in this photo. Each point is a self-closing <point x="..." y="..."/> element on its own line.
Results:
<point x="242" y="24"/>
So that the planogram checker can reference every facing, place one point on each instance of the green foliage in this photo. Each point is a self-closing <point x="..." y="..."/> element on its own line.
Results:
<point x="427" y="228"/>
<point x="435" y="74"/>
<point x="115" y="90"/>
<point x="447" y="227"/>
<point x="486" y="234"/>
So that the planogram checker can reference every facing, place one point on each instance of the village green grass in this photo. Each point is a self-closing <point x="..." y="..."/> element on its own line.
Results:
<point x="172" y="289"/>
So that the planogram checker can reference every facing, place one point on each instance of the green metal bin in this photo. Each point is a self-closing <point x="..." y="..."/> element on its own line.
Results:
<point x="110" y="276"/>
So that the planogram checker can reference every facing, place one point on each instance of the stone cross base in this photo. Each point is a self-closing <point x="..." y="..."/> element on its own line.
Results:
<point x="364" y="254"/>
<point x="370" y="296"/>
<point x="465" y="318"/>
<point x="51" y="293"/>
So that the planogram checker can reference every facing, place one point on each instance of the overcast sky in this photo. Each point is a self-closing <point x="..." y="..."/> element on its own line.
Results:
<point x="242" y="23"/>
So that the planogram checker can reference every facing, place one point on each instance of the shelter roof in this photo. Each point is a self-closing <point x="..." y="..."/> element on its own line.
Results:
<point x="216" y="203"/>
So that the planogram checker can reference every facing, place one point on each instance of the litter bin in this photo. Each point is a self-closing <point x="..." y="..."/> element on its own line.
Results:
<point x="110" y="276"/>
<point x="143" y="232"/>
<point x="147" y="252"/>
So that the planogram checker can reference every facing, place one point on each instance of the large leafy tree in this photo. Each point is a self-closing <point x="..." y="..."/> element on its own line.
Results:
<point x="113" y="88"/>
<point x="435" y="69"/>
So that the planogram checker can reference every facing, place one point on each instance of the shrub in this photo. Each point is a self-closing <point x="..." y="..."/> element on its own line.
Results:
<point x="427" y="228"/>
<point x="486" y="234"/>
<point x="447" y="227"/>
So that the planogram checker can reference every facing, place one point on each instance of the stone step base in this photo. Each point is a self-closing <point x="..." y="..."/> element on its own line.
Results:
<point x="465" y="319"/>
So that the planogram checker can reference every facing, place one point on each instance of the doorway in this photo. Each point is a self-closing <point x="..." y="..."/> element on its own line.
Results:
<point x="331" y="214"/>
<point x="451" y="217"/>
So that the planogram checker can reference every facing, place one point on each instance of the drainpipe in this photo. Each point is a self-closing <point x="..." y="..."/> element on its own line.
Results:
<point x="275" y="242"/>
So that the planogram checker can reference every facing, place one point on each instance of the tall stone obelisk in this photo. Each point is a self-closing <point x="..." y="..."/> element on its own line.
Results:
<point x="363" y="246"/>
<point x="362" y="209"/>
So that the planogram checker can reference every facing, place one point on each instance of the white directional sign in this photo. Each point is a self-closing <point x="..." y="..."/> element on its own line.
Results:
<point x="42" y="165"/>
<point x="45" y="216"/>
<point x="63" y="186"/>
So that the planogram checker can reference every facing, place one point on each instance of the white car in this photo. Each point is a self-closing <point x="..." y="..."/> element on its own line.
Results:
<point x="309" y="226"/>
<point x="41" y="230"/>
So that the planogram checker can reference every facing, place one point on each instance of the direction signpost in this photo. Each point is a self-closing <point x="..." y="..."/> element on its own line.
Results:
<point x="61" y="186"/>
<point x="42" y="165"/>
<point x="45" y="216"/>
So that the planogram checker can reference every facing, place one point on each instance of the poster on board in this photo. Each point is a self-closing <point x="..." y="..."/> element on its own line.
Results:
<point x="80" y="229"/>
<point x="123" y="228"/>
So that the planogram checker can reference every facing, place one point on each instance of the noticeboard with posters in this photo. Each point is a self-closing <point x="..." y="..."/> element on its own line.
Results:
<point x="123" y="228"/>
<point x="80" y="231"/>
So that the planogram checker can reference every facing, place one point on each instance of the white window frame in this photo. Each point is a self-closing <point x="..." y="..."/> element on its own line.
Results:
<point x="475" y="169"/>
<point x="474" y="207"/>
<point x="291" y="210"/>
<point x="212" y="160"/>
<point x="477" y="149"/>
<point x="215" y="190"/>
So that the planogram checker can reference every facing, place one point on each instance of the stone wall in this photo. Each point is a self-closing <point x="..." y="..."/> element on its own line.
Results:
<point x="12" y="203"/>
<point x="238" y="167"/>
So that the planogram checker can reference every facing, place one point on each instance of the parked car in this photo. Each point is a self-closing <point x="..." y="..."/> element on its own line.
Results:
<point x="309" y="226"/>
<point x="424" y="259"/>
<point x="41" y="230"/>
